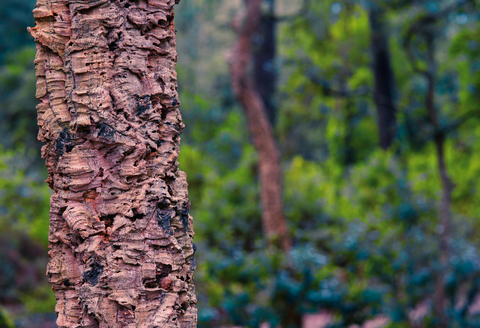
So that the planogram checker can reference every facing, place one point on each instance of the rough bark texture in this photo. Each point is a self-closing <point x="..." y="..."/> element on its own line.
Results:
<point x="270" y="171"/>
<point x="384" y="79"/>
<point x="121" y="251"/>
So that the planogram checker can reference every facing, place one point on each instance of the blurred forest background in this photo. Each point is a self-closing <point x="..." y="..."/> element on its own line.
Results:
<point x="375" y="107"/>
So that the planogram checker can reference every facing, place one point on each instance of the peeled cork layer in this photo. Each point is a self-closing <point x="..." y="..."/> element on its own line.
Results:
<point x="121" y="251"/>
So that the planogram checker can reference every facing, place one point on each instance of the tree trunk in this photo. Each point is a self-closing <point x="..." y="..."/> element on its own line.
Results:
<point x="447" y="189"/>
<point x="121" y="251"/>
<point x="384" y="79"/>
<point x="264" y="52"/>
<point x="270" y="171"/>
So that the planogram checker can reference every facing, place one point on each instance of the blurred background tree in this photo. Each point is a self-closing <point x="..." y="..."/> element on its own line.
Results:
<point x="366" y="98"/>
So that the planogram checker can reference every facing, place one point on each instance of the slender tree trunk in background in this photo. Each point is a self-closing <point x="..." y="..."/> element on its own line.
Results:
<point x="264" y="52"/>
<point x="384" y="79"/>
<point x="121" y="251"/>
<point x="270" y="171"/>
<point x="447" y="189"/>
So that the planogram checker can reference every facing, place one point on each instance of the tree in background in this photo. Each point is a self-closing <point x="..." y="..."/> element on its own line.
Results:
<point x="261" y="130"/>
<point x="121" y="250"/>
<point x="264" y="54"/>
<point x="424" y="29"/>
<point x="383" y="74"/>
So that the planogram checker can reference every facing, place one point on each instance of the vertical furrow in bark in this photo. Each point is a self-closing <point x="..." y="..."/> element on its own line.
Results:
<point x="121" y="251"/>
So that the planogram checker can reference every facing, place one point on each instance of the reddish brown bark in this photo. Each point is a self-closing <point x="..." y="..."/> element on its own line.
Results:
<point x="270" y="171"/>
<point x="121" y="251"/>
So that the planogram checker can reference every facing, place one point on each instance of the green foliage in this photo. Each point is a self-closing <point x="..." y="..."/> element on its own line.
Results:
<point x="230" y="197"/>
<point x="5" y="320"/>
<point x="262" y="286"/>
<point x="24" y="208"/>
<point x="24" y="198"/>
<point x="465" y="50"/>
<point x="17" y="101"/>
<point x="371" y="233"/>
<point x="39" y="300"/>
<point x="15" y="16"/>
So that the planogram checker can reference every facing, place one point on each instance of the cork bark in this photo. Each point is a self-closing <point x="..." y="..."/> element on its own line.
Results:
<point x="270" y="171"/>
<point x="121" y="251"/>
